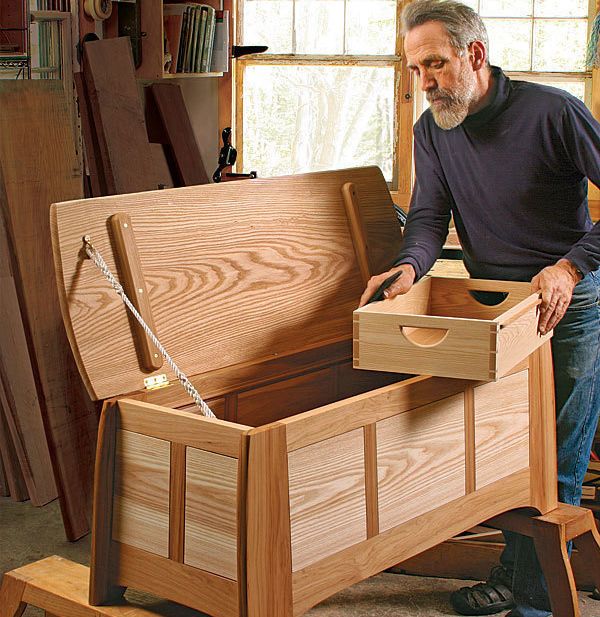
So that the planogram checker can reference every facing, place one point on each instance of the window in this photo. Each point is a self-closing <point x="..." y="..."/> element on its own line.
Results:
<point x="332" y="91"/>
<point x="323" y="96"/>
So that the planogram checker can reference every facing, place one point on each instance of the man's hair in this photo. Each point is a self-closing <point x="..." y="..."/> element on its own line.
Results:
<point x="462" y="23"/>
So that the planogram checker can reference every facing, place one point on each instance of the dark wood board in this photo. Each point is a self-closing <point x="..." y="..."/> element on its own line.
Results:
<point x="131" y="164"/>
<point x="14" y="478"/>
<point x="38" y="166"/>
<point x="183" y="154"/>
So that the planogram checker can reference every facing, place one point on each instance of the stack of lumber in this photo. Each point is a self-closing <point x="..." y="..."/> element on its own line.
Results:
<point x="119" y="157"/>
<point x="48" y="424"/>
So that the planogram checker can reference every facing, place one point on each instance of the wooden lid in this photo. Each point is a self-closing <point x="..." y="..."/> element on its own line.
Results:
<point x="235" y="272"/>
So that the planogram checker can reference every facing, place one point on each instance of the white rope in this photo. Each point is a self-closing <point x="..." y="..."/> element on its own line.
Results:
<point x="95" y="256"/>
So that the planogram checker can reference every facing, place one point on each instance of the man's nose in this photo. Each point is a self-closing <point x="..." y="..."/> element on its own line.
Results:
<point x="428" y="82"/>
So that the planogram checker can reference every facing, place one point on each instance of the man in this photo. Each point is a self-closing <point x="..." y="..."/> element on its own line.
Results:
<point x="510" y="161"/>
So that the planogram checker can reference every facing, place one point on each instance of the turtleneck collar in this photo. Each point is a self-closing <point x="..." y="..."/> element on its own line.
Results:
<point x="501" y="88"/>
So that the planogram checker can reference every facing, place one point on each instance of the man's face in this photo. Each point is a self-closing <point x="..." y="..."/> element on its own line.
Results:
<point x="447" y="79"/>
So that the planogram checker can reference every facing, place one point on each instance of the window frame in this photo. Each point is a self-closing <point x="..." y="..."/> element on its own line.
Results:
<point x="406" y="95"/>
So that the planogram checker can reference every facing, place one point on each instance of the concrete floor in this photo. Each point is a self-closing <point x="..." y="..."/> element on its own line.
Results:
<point x="28" y="534"/>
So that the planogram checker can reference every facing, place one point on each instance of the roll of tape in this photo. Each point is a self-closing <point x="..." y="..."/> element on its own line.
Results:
<point x="98" y="9"/>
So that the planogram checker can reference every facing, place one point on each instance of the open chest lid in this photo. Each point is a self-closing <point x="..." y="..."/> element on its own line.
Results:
<point x="229" y="273"/>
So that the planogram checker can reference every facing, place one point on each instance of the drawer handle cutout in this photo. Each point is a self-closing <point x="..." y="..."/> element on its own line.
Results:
<point x="424" y="337"/>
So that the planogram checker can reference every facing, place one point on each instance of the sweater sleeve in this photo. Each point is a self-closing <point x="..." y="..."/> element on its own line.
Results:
<point x="580" y="134"/>
<point x="429" y="214"/>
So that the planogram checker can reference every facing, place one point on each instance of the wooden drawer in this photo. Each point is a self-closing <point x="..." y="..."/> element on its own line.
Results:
<point x="442" y="328"/>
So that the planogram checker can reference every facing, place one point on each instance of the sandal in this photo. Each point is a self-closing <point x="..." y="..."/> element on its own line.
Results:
<point x="486" y="598"/>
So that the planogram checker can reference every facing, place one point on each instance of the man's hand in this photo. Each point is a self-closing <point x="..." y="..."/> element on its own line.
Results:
<point x="556" y="283"/>
<point x="400" y="286"/>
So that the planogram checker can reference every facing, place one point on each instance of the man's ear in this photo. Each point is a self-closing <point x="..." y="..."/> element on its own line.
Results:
<point x="478" y="55"/>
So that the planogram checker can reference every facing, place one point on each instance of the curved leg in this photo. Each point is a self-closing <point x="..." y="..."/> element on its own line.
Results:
<point x="551" y="549"/>
<point x="11" y="597"/>
<point x="588" y="544"/>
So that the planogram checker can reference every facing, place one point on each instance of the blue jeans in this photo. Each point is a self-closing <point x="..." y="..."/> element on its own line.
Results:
<point x="576" y="355"/>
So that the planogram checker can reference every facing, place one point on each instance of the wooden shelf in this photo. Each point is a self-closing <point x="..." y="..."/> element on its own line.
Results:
<point x="190" y="75"/>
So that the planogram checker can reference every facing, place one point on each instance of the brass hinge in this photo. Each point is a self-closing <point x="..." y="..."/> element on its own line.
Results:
<point x="156" y="381"/>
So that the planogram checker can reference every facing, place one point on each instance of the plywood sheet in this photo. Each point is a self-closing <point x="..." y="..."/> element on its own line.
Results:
<point x="327" y="498"/>
<point x="236" y="273"/>
<point x="420" y="460"/>
<point x="141" y="506"/>
<point x="38" y="165"/>
<point x="211" y="512"/>
<point x="501" y="428"/>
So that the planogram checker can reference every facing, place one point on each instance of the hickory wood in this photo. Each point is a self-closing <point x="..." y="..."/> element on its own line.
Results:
<point x="469" y="440"/>
<point x="132" y="277"/>
<point x="268" y="555"/>
<point x="177" y="488"/>
<point x="371" y="481"/>
<point x="215" y="267"/>
<point x="36" y="128"/>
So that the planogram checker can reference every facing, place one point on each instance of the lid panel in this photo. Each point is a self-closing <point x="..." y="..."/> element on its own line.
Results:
<point x="235" y="272"/>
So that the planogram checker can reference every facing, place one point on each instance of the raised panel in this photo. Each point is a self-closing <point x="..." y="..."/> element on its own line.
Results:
<point x="420" y="460"/>
<point x="501" y="428"/>
<point x="141" y="503"/>
<point x="327" y="497"/>
<point x="211" y="512"/>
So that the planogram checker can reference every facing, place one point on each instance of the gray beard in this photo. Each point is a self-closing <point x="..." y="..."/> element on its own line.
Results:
<point x="454" y="107"/>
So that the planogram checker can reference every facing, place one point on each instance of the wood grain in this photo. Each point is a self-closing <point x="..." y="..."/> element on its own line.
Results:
<point x="211" y="266"/>
<point x="327" y="497"/>
<point x="286" y="398"/>
<point x="371" y="483"/>
<point x="211" y="512"/>
<point x="470" y="473"/>
<point x="177" y="490"/>
<point x="501" y="428"/>
<point x="420" y="460"/>
<point x="357" y="229"/>
<point x="22" y="408"/>
<point x="129" y="161"/>
<point x="356" y="563"/>
<point x="35" y="127"/>
<point x="102" y="588"/>
<point x="269" y="555"/>
<point x="183" y="427"/>
<point x="14" y="476"/>
<point x="141" y="497"/>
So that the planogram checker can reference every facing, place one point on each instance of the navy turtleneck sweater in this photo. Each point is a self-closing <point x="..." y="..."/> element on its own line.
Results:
<point x="514" y="176"/>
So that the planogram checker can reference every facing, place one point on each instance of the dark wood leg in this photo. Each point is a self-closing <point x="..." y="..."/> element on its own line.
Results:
<point x="11" y="597"/>
<point x="551" y="549"/>
<point x="588" y="544"/>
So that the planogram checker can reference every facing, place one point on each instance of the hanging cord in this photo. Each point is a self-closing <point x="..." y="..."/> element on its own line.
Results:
<point x="95" y="256"/>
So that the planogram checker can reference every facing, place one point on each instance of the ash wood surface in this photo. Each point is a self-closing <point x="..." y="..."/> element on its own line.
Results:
<point x="319" y="581"/>
<point x="371" y="480"/>
<point x="443" y="330"/>
<point x="501" y="428"/>
<point x="269" y="555"/>
<point x="420" y="460"/>
<point x="327" y="497"/>
<point x="269" y="272"/>
<point x="182" y="427"/>
<point x="211" y="512"/>
<point x="141" y="497"/>
<point x="130" y="163"/>
<point x="359" y="236"/>
<point x="183" y="154"/>
<point x="35" y="127"/>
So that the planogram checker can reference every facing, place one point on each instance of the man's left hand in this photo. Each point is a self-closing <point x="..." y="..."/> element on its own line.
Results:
<point x="556" y="284"/>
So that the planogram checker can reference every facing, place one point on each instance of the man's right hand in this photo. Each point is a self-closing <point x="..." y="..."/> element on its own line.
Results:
<point x="400" y="286"/>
